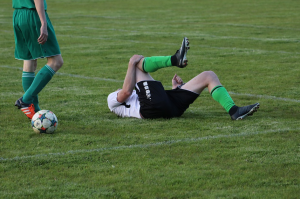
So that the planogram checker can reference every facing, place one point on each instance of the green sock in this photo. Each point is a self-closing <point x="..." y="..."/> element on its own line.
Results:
<point x="220" y="94"/>
<point x="152" y="64"/>
<point x="27" y="79"/>
<point x="40" y="81"/>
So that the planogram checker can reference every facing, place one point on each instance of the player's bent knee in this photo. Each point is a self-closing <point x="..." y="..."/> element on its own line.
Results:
<point x="209" y="74"/>
<point x="60" y="63"/>
<point x="55" y="62"/>
<point x="56" y="66"/>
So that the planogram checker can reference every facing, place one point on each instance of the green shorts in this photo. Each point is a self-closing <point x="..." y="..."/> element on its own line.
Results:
<point x="27" y="24"/>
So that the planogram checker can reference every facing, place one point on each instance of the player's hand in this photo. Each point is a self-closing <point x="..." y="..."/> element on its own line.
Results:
<point x="135" y="59"/>
<point x="44" y="34"/>
<point x="176" y="81"/>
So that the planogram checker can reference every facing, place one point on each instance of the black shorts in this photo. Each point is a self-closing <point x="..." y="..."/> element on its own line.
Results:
<point x="156" y="102"/>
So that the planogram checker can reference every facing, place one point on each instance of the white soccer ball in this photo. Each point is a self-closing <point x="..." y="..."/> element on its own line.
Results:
<point x="44" y="121"/>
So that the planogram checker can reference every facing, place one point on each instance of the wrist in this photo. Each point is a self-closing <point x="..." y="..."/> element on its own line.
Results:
<point x="181" y="85"/>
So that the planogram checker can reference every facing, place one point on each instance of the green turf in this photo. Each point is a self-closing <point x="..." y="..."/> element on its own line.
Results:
<point x="253" y="46"/>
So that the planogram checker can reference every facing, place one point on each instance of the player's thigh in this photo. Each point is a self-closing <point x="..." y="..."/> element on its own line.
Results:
<point x="200" y="82"/>
<point x="29" y="65"/>
<point x="26" y="34"/>
<point x="197" y="84"/>
<point x="141" y="76"/>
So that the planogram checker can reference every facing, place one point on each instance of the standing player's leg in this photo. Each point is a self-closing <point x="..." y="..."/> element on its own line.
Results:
<point x="27" y="102"/>
<point x="43" y="77"/>
<point x="210" y="80"/>
<point x="28" y="75"/>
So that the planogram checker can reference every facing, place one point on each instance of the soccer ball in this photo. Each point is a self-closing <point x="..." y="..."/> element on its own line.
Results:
<point x="44" y="121"/>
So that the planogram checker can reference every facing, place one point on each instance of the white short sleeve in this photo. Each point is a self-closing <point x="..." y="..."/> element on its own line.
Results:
<point x="112" y="100"/>
<point x="130" y="108"/>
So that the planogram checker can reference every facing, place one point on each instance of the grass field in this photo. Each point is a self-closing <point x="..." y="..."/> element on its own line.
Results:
<point x="253" y="46"/>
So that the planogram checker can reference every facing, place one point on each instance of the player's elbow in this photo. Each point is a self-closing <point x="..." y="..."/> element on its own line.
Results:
<point x="123" y="95"/>
<point x="127" y="94"/>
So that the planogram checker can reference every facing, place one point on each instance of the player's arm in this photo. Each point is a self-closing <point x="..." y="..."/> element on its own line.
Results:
<point x="40" y="8"/>
<point x="130" y="79"/>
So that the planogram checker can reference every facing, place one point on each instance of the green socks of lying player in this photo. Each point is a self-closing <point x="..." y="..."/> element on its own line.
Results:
<point x="152" y="64"/>
<point x="37" y="84"/>
<point x="220" y="94"/>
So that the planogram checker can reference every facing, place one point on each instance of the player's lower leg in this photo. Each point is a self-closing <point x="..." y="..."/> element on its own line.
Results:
<point x="220" y="94"/>
<point x="27" y="79"/>
<point x="152" y="64"/>
<point x="40" y="81"/>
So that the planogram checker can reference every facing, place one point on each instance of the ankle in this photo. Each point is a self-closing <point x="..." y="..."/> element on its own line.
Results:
<point x="233" y="110"/>
<point x="174" y="60"/>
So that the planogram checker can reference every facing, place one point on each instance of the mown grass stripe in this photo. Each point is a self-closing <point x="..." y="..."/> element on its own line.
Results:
<point x="141" y="146"/>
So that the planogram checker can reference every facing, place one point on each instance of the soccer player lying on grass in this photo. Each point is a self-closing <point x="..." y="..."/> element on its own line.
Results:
<point x="34" y="38"/>
<point x="150" y="100"/>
